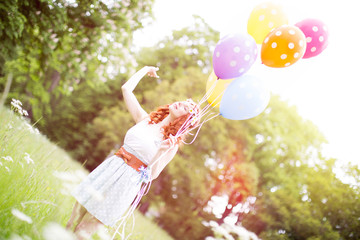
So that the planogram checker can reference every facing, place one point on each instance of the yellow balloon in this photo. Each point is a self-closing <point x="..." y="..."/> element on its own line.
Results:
<point x="215" y="89"/>
<point x="264" y="18"/>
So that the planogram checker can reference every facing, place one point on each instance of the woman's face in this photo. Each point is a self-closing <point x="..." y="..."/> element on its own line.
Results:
<point x="178" y="109"/>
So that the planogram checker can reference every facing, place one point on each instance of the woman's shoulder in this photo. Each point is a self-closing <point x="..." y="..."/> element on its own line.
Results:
<point x="144" y="119"/>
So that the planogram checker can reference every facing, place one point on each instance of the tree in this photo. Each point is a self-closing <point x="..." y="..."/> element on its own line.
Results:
<point x="299" y="196"/>
<point x="90" y="122"/>
<point x="52" y="46"/>
<point x="189" y="47"/>
<point x="234" y="177"/>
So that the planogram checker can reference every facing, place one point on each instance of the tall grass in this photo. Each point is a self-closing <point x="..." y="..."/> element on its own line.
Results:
<point x="28" y="179"/>
<point x="36" y="178"/>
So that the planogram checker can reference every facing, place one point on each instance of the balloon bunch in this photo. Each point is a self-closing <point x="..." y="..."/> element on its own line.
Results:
<point x="281" y="44"/>
<point x="239" y="96"/>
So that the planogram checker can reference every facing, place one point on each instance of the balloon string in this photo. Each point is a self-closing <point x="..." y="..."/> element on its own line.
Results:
<point x="204" y="112"/>
<point x="200" y="125"/>
<point x="208" y="93"/>
<point x="185" y="127"/>
<point x="207" y="108"/>
<point x="130" y="212"/>
<point x="217" y="97"/>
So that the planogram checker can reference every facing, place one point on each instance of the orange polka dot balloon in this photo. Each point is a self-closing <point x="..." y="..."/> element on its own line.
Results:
<point x="283" y="47"/>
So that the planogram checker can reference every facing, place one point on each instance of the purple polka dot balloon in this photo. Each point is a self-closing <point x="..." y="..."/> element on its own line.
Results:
<point x="233" y="56"/>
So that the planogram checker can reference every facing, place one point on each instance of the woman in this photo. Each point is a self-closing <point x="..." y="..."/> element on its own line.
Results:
<point x="105" y="195"/>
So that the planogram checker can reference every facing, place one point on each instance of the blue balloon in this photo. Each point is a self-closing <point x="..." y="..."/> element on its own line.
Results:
<point x="245" y="97"/>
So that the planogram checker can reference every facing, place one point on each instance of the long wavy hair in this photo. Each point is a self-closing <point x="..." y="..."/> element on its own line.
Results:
<point x="173" y="127"/>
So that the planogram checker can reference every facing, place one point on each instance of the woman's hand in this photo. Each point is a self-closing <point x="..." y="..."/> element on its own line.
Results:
<point x="172" y="139"/>
<point x="152" y="72"/>
<point x="168" y="143"/>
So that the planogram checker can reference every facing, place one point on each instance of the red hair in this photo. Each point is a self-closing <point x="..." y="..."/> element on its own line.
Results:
<point x="173" y="127"/>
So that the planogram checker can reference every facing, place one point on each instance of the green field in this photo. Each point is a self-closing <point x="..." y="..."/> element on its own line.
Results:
<point x="36" y="177"/>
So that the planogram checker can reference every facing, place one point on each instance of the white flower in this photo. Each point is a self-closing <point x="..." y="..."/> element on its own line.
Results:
<point x="28" y="159"/>
<point x="17" y="107"/>
<point x="103" y="233"/>
<point x="37" y="131"/>
<point x="31" y="128"/>
<point x="22" y="216"/>
<point x="16" y="104"/>
<point x="26" y="237"/>
<point x="15" y="101"/>
<point x="7" y="169"/>
<point x="14" y="236"/>
<point x="8" y="158"/>
<point x="25" y="113"/>
<point x="53" y="231"/>
<point x="66" y="176"/>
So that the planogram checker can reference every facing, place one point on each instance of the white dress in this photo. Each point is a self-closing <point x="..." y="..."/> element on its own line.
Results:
<point x="108" y="191"/>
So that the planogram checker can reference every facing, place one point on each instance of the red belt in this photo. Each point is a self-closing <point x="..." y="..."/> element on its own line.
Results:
<point x="130" y="159"/>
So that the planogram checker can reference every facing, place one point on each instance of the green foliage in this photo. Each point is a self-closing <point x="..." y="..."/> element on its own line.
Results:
<point x="189" y="47"/>
<point x="12" y="24"/>
<point x="52" y="46"/>
<point x="90" y="122"/>
<point x="107" y="132"/>
<point x="299" y="195"/>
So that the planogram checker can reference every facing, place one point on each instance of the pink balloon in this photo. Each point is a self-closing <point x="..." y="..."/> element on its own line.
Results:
<point x="316" y="34"/>
<point x="233" y="55"/>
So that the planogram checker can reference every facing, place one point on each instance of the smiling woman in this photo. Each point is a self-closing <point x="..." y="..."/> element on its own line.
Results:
<point x="106" y="194"/>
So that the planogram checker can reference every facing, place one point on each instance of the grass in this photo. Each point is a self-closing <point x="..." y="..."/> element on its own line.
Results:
<point x="36" y="178"/>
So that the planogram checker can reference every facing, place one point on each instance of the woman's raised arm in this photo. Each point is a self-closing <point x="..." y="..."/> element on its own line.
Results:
<point x="133" y="105"/>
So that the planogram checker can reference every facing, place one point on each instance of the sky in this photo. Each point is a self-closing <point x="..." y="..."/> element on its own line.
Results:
<point x="325" y="89"/>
